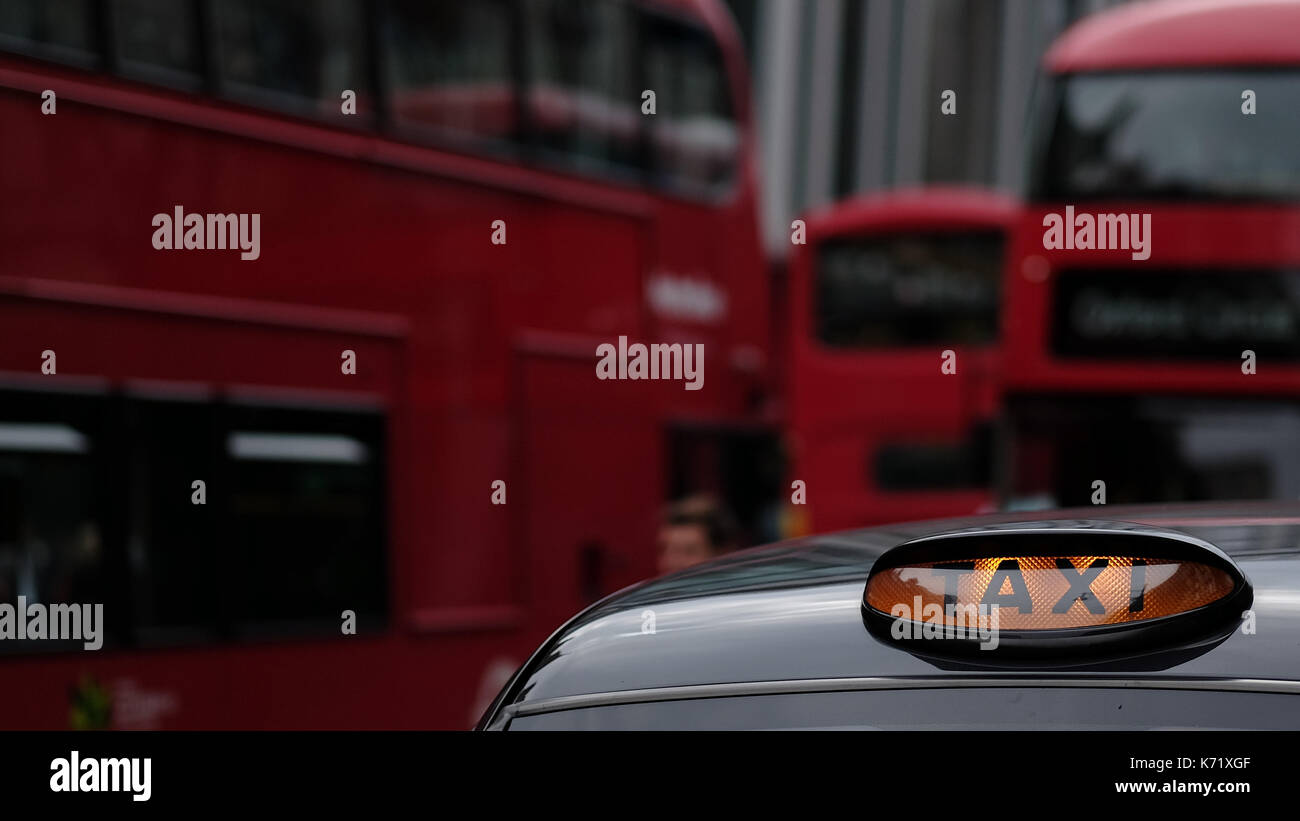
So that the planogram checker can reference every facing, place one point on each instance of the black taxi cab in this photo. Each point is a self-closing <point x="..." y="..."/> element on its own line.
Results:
<point x="1169" y="617"/>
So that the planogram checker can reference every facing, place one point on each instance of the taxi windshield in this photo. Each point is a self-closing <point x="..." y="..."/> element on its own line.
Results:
<point x="1219" y="134"/>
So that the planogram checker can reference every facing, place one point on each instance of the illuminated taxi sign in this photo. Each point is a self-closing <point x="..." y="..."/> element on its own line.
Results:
<point x="1053" y="592"/>
<point x="1053" y="585"/>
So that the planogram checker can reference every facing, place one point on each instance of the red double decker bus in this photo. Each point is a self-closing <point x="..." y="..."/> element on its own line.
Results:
<point x="1154" y="282"/>
<point x="300" y="308"/>
<point x="893" y="371"/>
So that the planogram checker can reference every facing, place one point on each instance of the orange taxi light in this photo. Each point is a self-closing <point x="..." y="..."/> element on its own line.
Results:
<point x="1046" y="592"/>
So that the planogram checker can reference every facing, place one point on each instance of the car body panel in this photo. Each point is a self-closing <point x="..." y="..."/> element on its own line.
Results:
<point x="791" y="612"/>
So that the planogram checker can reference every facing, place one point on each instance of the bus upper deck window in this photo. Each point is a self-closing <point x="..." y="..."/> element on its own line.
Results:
<point x="158" y="40"/>
<point x="694" y="135"/>
<point x="57" y="29"/>
<point x="1150" y="135"/>
<point x="448" y="66"/>
<point x="581" y="101"/>
<point x="293" y="56"/>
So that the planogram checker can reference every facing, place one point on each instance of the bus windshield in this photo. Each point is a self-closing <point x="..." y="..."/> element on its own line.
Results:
<point x="1171" y="134"/>
<point x="908" y="289"/>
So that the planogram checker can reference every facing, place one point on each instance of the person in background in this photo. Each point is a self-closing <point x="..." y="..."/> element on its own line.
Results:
<point x="694" y="530"/>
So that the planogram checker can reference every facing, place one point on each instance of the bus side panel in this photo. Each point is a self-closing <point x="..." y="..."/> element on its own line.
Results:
<point x="373" y="249"/>
<point x="592" y="460"/>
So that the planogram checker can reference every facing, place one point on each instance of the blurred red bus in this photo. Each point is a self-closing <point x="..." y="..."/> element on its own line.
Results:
<point x="1132" y="365"/>
<point x="472" y="483"/>
<point x="883" y="287"/>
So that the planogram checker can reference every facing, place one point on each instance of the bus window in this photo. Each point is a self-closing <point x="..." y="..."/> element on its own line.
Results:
<point x="50" y="550"/>
<point x="158" y="40"/>
<point x="1151" y="136"/>
<point x="581" y="100"/>
<point x="52" y="547"/>
<point x="57" y="29"/>
<point x="449" y="68"/>
<point x="906" y="289"/>
<point x="170" y="538"/>
<point x="694" y="135"/>
<point x="291" y="54"/>
<point x="305" y="537"/>
<point x="98" y="505"/>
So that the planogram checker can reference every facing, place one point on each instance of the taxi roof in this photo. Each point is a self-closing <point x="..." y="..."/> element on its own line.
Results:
<point x="791" y="612"/>
<point x="1181" y="34"/>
